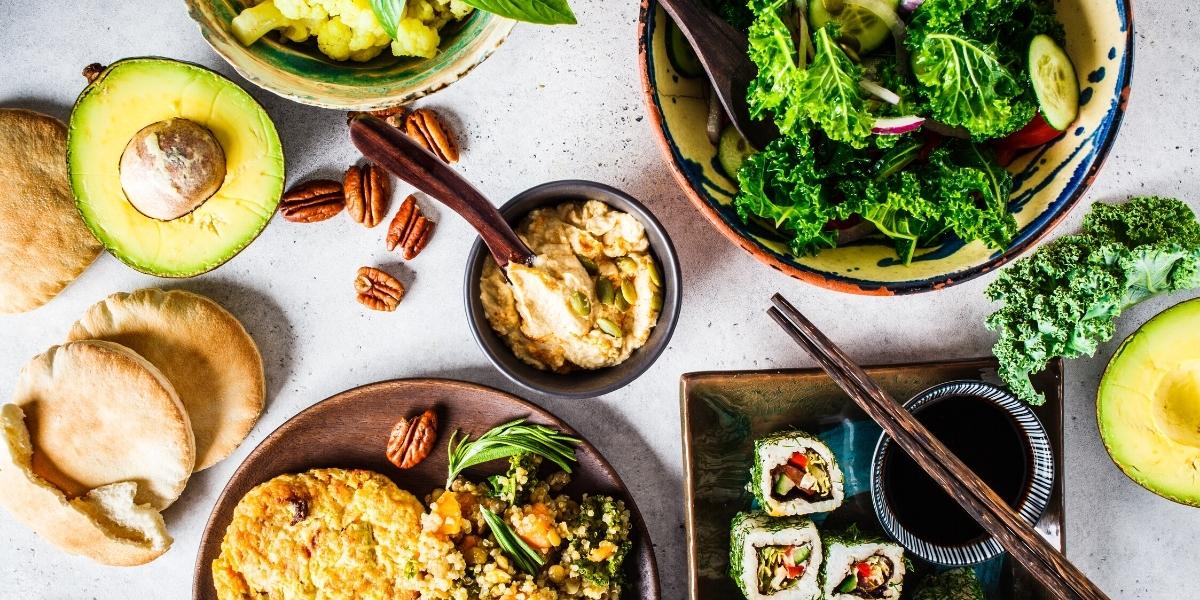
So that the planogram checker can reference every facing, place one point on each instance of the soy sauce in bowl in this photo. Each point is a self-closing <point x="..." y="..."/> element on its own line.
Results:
<point x="986" y="438"/>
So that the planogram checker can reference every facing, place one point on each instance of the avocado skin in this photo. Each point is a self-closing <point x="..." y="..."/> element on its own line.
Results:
<point x="234" y="246"/>
<point x="1137" y="355"/>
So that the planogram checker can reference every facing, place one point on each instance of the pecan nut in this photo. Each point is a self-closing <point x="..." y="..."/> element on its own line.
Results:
<point x="412" y="440"/>
<point x="378" y="290"/>
<point x="409" y="229"/>
<point x="367" y="194"/>
<point x="312" y="201"/>
<point x="424" y="126"/>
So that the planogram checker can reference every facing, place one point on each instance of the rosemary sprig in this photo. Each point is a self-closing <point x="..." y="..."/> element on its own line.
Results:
<point x="527" y="558"/>
<point x="510" y="439"/>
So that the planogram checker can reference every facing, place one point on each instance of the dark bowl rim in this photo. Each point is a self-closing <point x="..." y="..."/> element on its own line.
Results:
<point x="668" y="260"/>
<point x="866" y="287"/>
<point x="1035" y="498"/>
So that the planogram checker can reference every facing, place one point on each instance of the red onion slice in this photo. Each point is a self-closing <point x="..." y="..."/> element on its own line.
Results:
<point x="897" y="125"/>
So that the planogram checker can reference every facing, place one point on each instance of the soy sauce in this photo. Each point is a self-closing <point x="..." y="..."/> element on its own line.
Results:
<point x="986" y="439"/>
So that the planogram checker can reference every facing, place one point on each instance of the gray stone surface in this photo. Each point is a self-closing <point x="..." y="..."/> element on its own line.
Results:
<point x="558" y="103"/>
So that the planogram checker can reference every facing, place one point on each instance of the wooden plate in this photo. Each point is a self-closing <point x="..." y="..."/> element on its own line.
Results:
<point x="723" y="413"/>
<point x="350" y="430"/>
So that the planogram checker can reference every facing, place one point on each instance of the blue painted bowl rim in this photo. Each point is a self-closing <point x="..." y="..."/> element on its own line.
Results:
<point x="640" y="361"/>
<point x="727" y="222"/>
<point x="1037" y="492"/>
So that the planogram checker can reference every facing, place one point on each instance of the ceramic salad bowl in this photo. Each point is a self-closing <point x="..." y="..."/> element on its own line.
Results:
<point x="300" y="72"/>
<point x="1047" y="181"/>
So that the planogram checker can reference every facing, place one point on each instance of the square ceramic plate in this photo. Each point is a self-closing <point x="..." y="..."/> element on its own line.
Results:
<point x="724" y="412"/>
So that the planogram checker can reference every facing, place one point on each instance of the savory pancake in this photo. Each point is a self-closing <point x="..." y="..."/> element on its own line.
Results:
<point x="325" y="533"/>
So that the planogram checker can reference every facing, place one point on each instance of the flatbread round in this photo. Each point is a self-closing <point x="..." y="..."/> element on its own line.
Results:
<point x="44" y="244"/>
<point x="105" y="524"/>
<point x="98" y="413"/>
<point x="203" y="351"/>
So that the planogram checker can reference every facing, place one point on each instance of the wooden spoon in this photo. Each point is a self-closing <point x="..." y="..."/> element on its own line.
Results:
<point x="408" y="160"/>
<point x="722" y="51"/>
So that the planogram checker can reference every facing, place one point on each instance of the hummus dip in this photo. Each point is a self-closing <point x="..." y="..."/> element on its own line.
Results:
<point x="591" y="297"/>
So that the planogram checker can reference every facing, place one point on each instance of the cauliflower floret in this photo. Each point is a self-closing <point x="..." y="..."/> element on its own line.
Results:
<point x="348" y="29"/>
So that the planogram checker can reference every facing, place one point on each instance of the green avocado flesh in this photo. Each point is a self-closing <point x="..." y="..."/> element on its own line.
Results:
<point x="1149" y="405"/>
<point x="135" y="93"/>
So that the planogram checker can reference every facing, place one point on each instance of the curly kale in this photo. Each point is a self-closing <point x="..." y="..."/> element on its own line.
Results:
<point x="955" y="584"/>
<point x="1063" y="300"/>
<point x="734" y="12"/>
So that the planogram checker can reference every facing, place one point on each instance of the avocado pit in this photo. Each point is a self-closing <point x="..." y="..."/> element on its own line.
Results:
<point x="171" y="167"/>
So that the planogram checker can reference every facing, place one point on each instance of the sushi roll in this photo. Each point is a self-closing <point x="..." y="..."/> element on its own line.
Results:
<point x="775" y="559"/>
<point x="858" y="569"/>
<point x="795" y="474"/>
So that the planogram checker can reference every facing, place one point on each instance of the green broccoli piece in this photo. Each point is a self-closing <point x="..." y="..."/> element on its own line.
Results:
<point x="955" y="584"/>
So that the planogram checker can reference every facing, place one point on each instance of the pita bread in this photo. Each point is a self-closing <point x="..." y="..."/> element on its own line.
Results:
<point x="105" y="524"/>
<point x="203" y="351"/>
<point x="97" y="413"/>
<point x="44" y="244"/>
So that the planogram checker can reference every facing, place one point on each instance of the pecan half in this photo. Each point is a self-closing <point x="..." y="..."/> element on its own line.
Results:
<point x="412" y="440"/>
<point x="312" y="201"/>
<point x="417" y="238"/>
<point x="378" y="290"/>
<point x="424" y="126"/>
<point x="367" y="194"/>
<point x="409" y="230"/>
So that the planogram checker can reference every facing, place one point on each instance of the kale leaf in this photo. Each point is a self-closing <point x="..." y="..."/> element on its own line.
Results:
<point x="1063" y="300"/>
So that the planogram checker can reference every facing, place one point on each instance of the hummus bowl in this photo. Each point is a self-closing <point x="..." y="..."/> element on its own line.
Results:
<point x="578" y="383"/>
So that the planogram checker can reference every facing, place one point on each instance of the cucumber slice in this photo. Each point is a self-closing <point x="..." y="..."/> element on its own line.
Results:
<point x="783" y="485"/>
<point x="680" y="53"/>
<point x="1054" y="82"/>
<point x="860" y="29"/>
<point x="732" y="151"/>
<point x="849" y="585"/>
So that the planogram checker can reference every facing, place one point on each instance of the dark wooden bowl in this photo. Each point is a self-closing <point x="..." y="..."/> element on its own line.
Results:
<point x="350" y="430"/>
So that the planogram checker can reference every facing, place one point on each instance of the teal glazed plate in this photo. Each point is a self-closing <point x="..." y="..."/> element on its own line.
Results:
<point x="300" y="72"/>
<point x="1047" y="181"/>
<point x="724" y="412"/>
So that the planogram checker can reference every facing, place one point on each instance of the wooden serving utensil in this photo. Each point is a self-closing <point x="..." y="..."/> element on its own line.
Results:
<point x="1043" y="561"/>
<point x="406" y="159"/>
<point x="722" y="51"/>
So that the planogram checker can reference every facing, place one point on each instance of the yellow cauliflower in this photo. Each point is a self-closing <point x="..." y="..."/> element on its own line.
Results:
<point x="348" y="29"/>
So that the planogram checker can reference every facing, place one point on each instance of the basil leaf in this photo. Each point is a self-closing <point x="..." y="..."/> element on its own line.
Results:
<point x="542" y="12"/>
<point x="389" y="13"/>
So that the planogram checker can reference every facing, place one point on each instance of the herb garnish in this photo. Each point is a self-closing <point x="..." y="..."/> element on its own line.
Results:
<point x="389" y="13"/>
<point x="542" y="12"/>
<point x="510" y="439"/>
<point x="527" y="558"/>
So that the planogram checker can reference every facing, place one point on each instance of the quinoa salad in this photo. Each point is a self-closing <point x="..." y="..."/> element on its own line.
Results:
<point x="582" y="544"/>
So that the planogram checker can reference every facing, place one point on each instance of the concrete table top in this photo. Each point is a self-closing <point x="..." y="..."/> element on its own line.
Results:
<point x="557" y="103"/>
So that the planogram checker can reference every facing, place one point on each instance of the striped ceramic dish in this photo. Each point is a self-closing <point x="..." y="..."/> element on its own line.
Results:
<point x="301" y="73"/>
<point x="1047" y="183"/>
<point x="1039" y="479"/>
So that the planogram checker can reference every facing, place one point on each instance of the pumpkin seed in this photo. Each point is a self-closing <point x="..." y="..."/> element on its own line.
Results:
<point x="609" y="327"/>
<point x="621" y="303"/>
<point x="580" y="304"/>
<point x="589" y="265"/>
<point x="656" y="301"/>
<point x="629" y="291"/>
<point x="605" y="291"/>
<point x="627" y="265"/>
<point x="655" y="276"/>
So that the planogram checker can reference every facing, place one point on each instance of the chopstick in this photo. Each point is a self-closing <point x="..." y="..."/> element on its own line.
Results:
<point x="1043" y="561"/>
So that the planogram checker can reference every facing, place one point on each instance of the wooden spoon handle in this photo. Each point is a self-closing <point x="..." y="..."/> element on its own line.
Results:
<point x="406" y="159"/>
<point x="722" y="51"/>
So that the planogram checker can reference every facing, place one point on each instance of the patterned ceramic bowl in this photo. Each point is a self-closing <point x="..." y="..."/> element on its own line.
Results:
<point x="301" y="73"/>
<point x="1048" y="182"/>
<point x="1038" y="484"/>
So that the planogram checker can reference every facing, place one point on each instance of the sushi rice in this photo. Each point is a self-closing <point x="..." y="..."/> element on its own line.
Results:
<point x="752" y="534"/>
<point x="774" y="451"/>
<point x="842" y="557"/>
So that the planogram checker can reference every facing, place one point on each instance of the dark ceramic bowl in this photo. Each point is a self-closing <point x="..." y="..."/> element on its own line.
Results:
<point x="1038" y="481"/>
<point x="577" y="384"/>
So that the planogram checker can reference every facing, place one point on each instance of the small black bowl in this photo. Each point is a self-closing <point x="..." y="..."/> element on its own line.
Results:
<point x="580" y="383"/>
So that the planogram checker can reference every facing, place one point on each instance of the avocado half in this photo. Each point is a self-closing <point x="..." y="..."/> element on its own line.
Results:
<point x="174" y="168"/>
<point x="1148" y="407"/>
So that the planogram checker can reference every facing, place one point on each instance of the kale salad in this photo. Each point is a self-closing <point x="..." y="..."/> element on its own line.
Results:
<point x="896" y="117"/>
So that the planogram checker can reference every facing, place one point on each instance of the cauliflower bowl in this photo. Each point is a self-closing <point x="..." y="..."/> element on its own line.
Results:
<point x="335" y="54"/>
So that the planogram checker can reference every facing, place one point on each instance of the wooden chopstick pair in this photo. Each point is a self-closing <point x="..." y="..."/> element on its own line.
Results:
<point x="1044" y="562"/>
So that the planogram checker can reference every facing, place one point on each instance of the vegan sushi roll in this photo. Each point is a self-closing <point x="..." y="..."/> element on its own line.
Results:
<point x="857" y="569"/>
<point x="795" y="474"/>
<point x="775" y="559"/>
